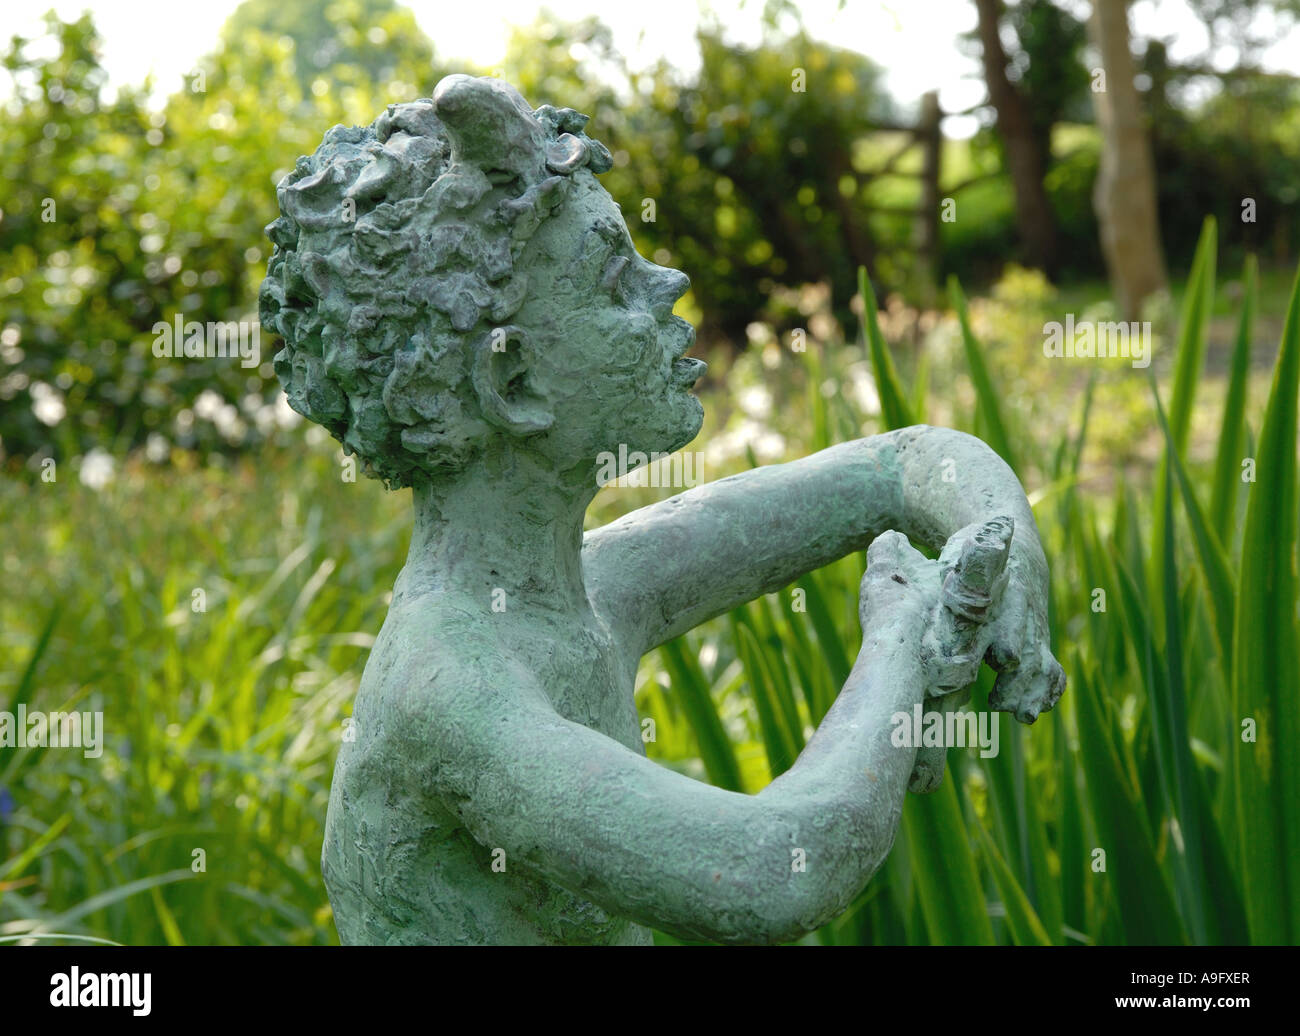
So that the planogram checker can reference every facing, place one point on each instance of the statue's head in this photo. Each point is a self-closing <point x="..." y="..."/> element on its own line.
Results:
<point x="453" y="284"/>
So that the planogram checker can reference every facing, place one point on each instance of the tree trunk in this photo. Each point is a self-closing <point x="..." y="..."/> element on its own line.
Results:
<point x="1125" y="193"/>
<point x="930" y="136"/>
<point x="1035" y="222"/>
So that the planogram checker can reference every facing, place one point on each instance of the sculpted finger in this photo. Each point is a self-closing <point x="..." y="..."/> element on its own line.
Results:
<point x="927" y="771"/>
<point x="974" y="563"/>
<point x="975" y="568"/>
<point x="895" y="570"/>
<point x="1029" y="690"/>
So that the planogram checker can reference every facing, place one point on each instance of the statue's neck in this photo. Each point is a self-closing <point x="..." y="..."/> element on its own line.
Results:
<point x="510" y="541"/>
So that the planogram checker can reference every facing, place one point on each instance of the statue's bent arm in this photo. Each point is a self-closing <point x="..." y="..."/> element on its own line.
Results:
<point x="664" y="569"/>
<point x="647" y="843"/>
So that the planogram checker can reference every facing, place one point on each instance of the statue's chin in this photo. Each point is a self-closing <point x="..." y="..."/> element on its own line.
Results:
<point x="697" y="422"/>
<point x="692" y="422"/>
<point x="675" y="424"/>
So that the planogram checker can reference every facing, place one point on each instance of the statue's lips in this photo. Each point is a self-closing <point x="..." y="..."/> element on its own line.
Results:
<point x="677" y="336"/>
<point x="687" y="371"/>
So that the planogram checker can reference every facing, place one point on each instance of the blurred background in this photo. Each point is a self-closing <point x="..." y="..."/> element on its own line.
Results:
<point x="880" y="207"/>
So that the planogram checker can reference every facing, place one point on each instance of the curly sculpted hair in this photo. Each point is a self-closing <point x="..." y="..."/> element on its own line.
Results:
<point x="396" y="255"/>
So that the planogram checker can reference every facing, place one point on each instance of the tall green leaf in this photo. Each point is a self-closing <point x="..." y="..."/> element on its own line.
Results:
<point x="1026" y="929"/>
<point x="692" y="688"/>
<point x="1232" y="431"/>
<point x="1146" y="909"/>
<point x="1266" y="772"/>
<point x="778" y="739"/>
<point x="1214" y="564"/>
<point x="834" y="652"/>
<point x="1188" y="361"/>
<point x="943" y="864"/>
<point x="1191" y="336"/>
<point x="894" y="410"/>
<point x="985" y="395"/>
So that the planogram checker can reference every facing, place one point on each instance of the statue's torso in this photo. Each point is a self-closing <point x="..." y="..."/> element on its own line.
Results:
<point x="401" y="868"/>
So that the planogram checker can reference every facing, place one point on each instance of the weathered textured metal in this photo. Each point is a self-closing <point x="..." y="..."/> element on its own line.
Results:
<point x="462" y="306"/>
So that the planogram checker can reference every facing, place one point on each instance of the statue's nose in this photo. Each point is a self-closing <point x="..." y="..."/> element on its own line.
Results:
<point x="665" y="288"/>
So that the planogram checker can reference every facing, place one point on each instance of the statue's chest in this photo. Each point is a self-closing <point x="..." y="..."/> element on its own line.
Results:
<point x="587" y="680"/>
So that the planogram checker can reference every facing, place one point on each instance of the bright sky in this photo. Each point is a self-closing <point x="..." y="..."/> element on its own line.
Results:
<point x="914" y="40"/>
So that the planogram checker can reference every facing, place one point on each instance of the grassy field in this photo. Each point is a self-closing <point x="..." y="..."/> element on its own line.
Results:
<point x="219" y="617"/>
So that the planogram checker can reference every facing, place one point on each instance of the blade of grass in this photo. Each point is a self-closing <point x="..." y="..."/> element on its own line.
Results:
<point x="1266" y="772"/>
<point x="828" y="637"/>
<point x="1214" y="563"/>
<point x="894" y="411"/>
<point x="775" y="657"/>
<point x="1189" y="359"/>
<point x="1191" y="336"/>
<point x="23" y="692"/>
<point x="1147" y="915"/>
<point x="1073" y="900"/>
<point x="777" y="740"/>
<point x="688" y="681"/>
<point x="943" y="863"/>
<point x="1025" y="927"/>
<point x="817" y="693"/>
<point x="986" y="396"/>
<point x="1227" y="468"/>
<point x="166" y="919"/>
<point x="116" y="895"/>
<point x="1172" y="714"/>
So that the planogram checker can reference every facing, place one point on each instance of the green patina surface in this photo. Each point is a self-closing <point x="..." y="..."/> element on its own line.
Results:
<point x="462" y="306"/>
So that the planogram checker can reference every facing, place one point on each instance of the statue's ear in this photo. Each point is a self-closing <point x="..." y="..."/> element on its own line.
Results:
<point x="503" y="383"/>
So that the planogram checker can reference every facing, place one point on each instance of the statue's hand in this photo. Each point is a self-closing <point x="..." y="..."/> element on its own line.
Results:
<point x="951" y="604"/>
<point x="948" y="604"/>
<point x="978" y="602"/>
<point x="900" y="589"/>
<point x="994" y="608"/>
<point x="1014" y="636"/>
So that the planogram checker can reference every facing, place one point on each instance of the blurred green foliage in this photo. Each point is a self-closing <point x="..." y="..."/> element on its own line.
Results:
<point x="117" y="216"/>
<point x="1242" y="143"/>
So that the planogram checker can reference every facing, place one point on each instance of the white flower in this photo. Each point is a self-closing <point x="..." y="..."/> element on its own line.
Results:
<point x="47" y="404"/>
<point x="208" y="405"/>
<point x="97" y="469"/>
<point x="157" y="448"/>
<point x="49" y="410"/>
<point x="755" y="402"/>
<point x="769" y="446"/>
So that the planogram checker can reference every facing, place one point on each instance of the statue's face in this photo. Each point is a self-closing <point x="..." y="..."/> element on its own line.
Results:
<point x="610" y="357"/>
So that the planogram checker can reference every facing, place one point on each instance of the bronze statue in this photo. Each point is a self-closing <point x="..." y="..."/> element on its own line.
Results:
<point x="463" y="308"/>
